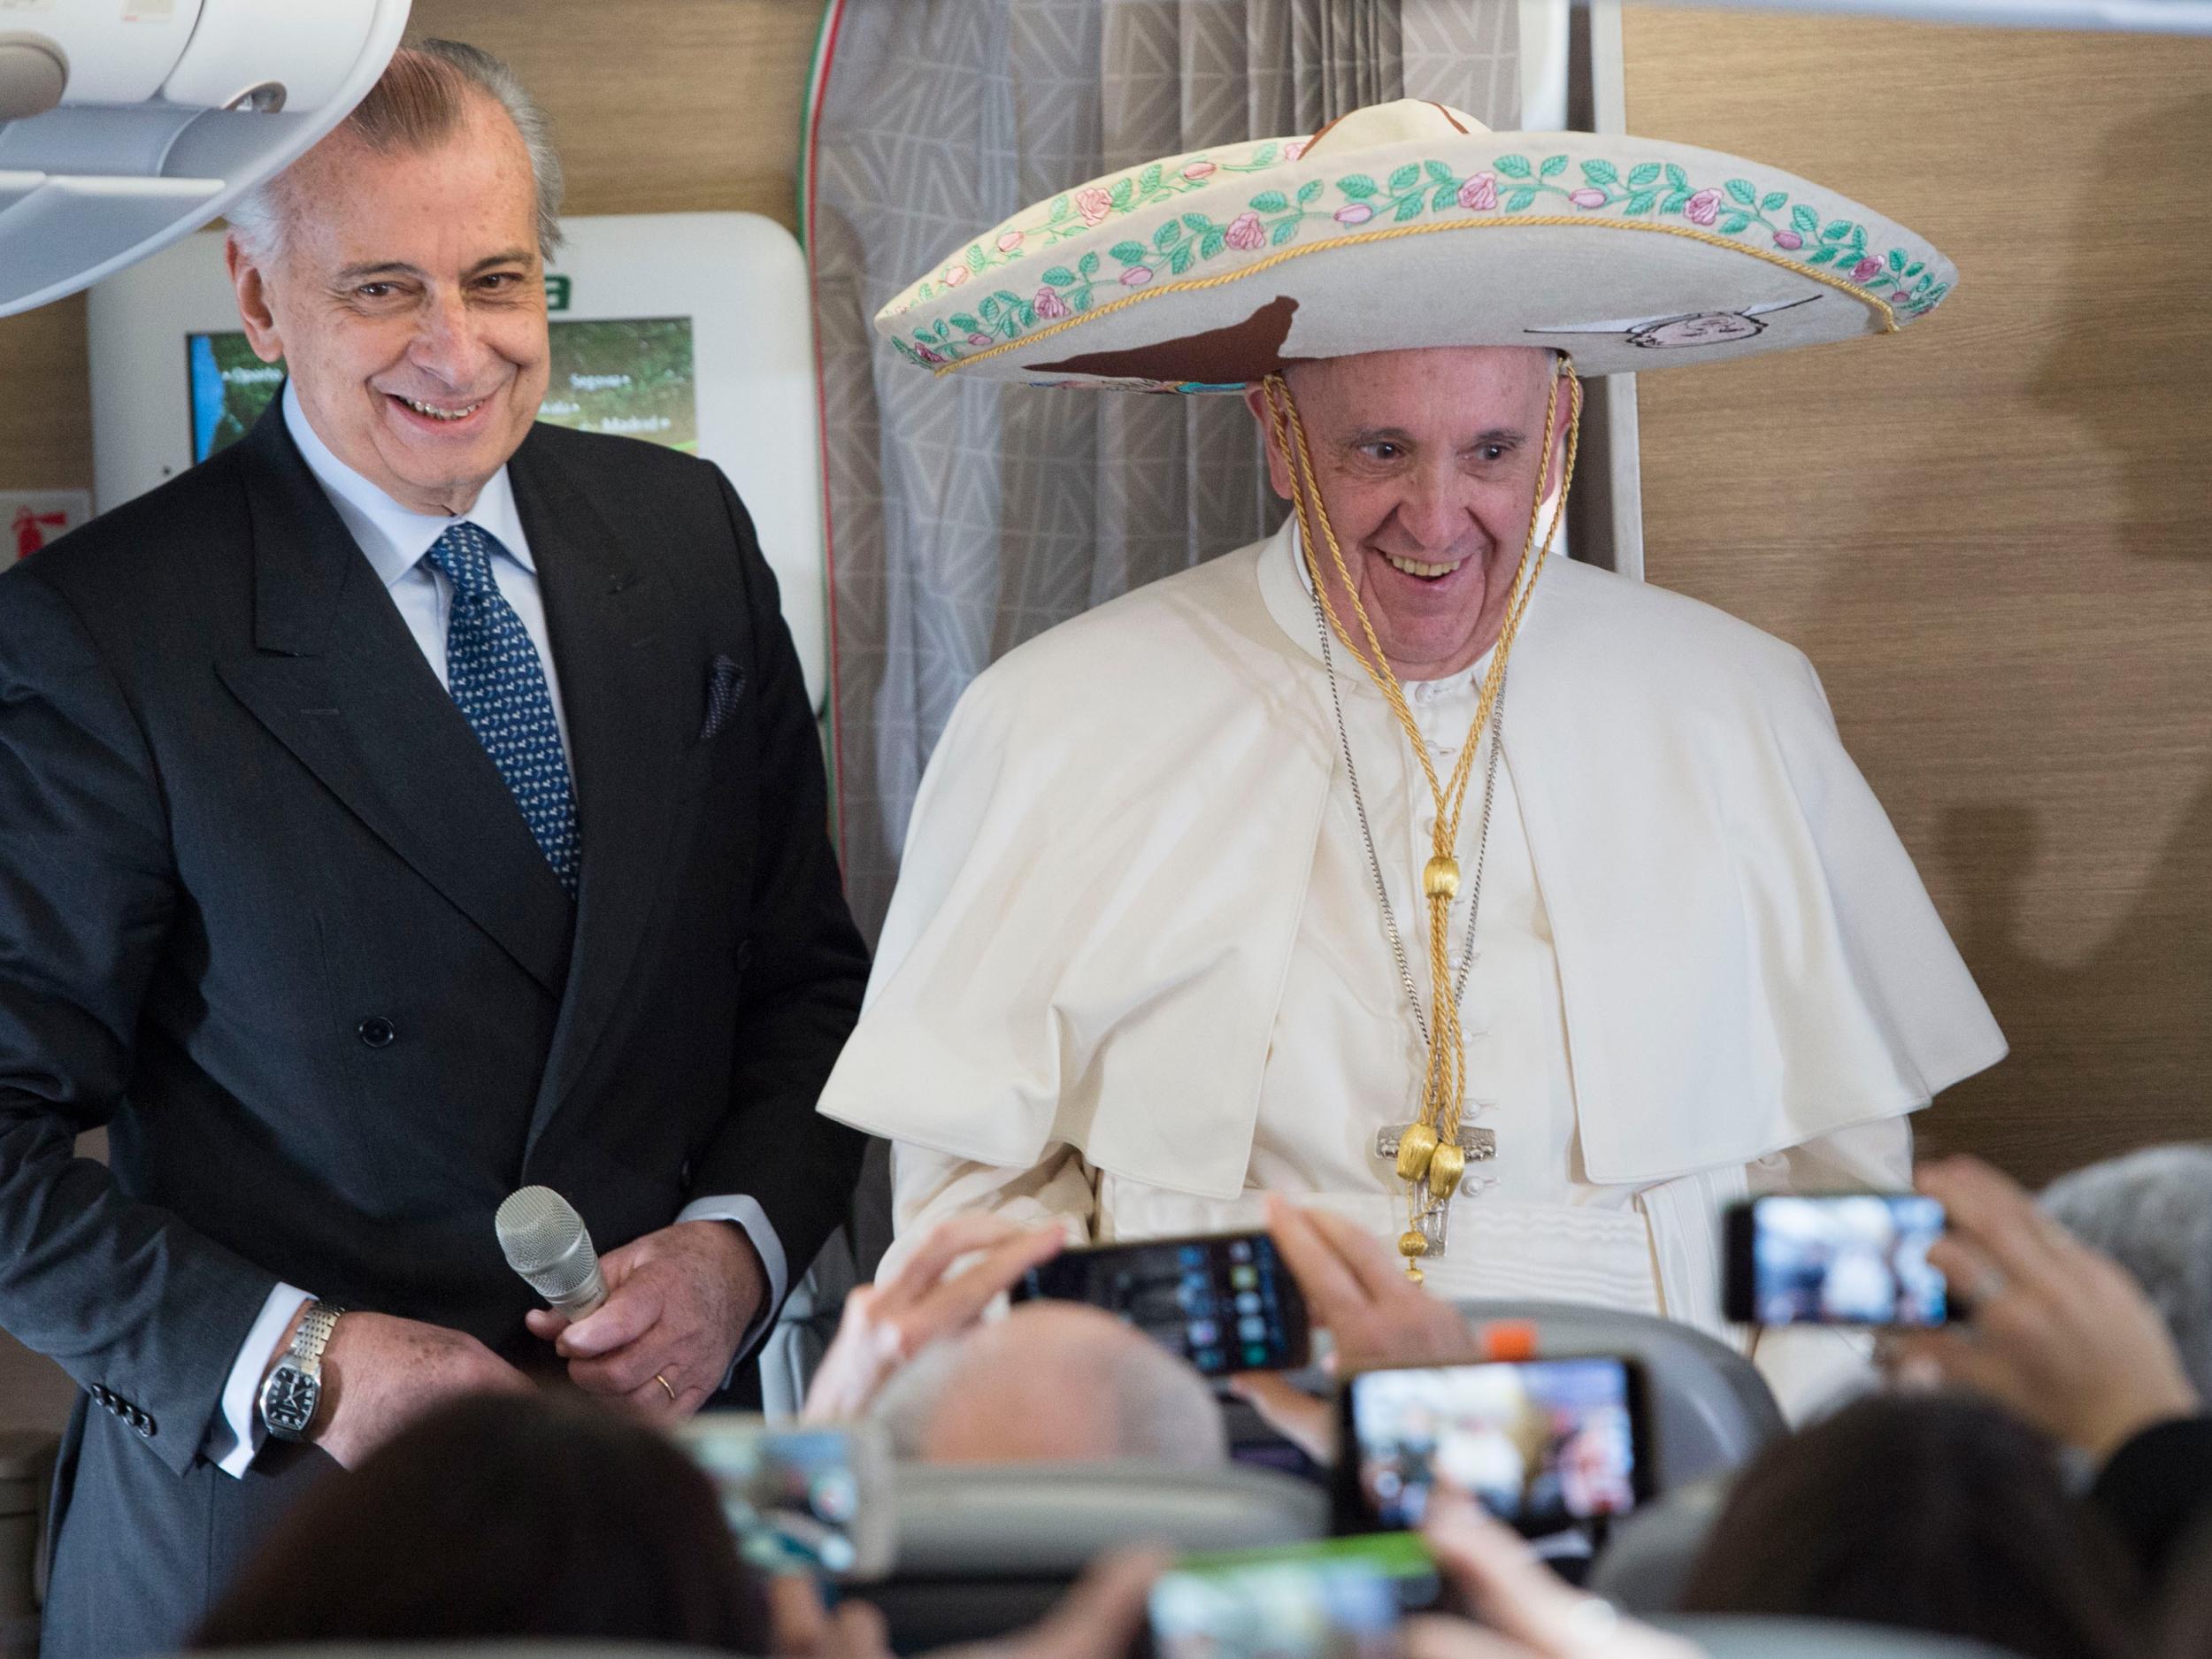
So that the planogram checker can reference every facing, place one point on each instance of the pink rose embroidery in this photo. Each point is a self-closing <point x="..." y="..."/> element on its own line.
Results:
<point x="1050" y="305"/>
<point x="1245" y="232"/>
<point x="1136" y="276"/>
<point x="1864" y="269"/>
<point x="1009" y="242"/>
<point x="1093" y="204"/>
<point x="927" y="356"/>
<point x="1788" y="240"/>
<point x="1354" y="213"/>
<point x="1588" y="197"/>
<point x="979" y="339"/>
<point x="1199" y="170"/>
<point x="955" y="275"/>
<point x="1703" y="208"/>
<point x="1295" y="149"/>
<point x="1479" y="193"/>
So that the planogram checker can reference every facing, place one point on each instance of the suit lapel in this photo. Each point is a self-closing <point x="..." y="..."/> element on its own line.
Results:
<point x="626" y="690"/>
<point x="338" y="679"/>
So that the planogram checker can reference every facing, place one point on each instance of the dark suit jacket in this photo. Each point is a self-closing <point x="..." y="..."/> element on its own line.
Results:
<point x="268" y="912"/>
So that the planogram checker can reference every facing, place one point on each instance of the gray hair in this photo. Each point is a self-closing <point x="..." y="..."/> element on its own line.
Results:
<point x="2151" y="1211"/>
<point x="1159" y="1409"/>
<point x="422" y="96"/>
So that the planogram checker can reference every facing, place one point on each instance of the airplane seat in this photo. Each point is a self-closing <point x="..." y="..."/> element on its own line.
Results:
<point x="986" y="1549"/>
<point x="1709" y="1410"/>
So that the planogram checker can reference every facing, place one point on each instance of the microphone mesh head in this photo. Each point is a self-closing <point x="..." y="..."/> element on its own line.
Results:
<point x="545" y="1241"/>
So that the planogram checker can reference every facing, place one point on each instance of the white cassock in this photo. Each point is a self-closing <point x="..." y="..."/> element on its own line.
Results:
<point x="1135" y="971"/>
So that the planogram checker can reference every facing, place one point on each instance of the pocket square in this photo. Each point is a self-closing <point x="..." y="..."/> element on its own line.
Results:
<point x="725" y="683"/>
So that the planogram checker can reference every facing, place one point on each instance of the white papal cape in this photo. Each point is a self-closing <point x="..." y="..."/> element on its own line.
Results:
<point x="1110" y="854"/>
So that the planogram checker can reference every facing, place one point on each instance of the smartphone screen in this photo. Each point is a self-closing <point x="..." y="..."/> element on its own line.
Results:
<point x="1225" y="1303"/>
<point x="1338" y="1599"/>
<point x="809" y="1500"/>
<point x="1542" y="1444"/>
<point x="1851" y="1259"/>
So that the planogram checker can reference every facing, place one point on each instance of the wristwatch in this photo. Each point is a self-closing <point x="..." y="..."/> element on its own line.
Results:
<point x="295" y="1387"/>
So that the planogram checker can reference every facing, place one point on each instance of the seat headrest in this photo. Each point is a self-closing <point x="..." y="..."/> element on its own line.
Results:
<point x="1746" y="1636"/>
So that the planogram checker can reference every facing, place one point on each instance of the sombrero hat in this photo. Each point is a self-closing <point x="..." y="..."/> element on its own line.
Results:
<point x="1409" y="225"/>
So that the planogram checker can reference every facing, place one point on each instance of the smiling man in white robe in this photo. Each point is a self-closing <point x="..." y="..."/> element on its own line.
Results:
<point x="1253" y="880"/>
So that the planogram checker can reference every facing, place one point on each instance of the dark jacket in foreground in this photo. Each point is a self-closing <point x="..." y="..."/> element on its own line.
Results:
<point x="268" y="912"/>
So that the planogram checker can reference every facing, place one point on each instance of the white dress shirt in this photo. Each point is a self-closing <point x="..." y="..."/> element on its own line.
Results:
<point x="394" y="539"/>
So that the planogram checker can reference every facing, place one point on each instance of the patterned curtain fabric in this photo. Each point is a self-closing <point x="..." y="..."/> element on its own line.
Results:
<point x="964" y="519"/>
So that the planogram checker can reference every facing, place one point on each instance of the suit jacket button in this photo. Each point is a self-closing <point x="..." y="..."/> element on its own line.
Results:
<point x="376" y="1031"/>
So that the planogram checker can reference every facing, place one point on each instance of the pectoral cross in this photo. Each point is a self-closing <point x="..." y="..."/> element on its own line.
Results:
<point x="1433" y="1221"/>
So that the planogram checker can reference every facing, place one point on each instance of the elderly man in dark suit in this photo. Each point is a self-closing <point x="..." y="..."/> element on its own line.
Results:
<point x="410" y="803"/>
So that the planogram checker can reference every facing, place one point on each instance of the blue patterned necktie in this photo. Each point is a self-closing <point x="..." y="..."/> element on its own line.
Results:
<point x="493" y="670"/>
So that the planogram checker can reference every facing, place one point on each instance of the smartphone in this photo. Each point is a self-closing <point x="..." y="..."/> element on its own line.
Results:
<point x="800" y="1499"/>
<point x="1337" y="1599"/>
<point x="1542" y="1444"/>
<point x="1225" y="1302"/>
<point x="1849" y="1258"/>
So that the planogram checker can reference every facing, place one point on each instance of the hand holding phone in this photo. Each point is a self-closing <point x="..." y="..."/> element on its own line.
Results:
<point x="1336" y="1599"/>
<point x="808" y="1500"/>
<point x="1225" y="1302"/>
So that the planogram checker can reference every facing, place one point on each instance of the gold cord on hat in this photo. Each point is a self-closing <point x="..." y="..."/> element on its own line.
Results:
<point x="1430" y="1160"/>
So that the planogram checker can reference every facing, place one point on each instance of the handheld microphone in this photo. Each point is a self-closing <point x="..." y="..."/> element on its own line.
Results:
<point x="544" y="1240"/>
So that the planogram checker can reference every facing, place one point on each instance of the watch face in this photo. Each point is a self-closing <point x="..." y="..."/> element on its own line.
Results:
<point x="287" y="1400"/>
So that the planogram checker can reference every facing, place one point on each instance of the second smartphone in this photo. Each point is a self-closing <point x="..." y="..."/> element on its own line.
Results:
<point x="1225" y="1302"/>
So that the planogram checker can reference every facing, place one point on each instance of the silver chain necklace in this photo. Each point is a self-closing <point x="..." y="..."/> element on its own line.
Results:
<point x="1367" y="836"/>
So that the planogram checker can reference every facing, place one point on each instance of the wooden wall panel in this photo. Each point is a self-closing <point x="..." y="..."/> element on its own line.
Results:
<point x="1993" y="532"/>
<point x="678" y="106"/>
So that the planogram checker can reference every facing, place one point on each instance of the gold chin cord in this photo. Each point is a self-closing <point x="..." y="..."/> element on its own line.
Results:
<point x="1430" y="1160"/>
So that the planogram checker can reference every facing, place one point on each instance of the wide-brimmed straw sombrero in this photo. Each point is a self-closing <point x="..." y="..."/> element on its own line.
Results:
<point x="1411" y="225"/>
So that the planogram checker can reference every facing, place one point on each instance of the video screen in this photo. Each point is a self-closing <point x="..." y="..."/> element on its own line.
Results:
<point x="632" y="377"/>
<point x="792" y="1496"/>
<point x="1321" y="1608"/>
<point x="1852" y="1259"/>
<point x="1226" y="1304"/>
<point x="1542" y="1444"/>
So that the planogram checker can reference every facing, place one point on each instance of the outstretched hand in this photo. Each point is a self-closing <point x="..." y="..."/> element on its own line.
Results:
<point x="887" y="1324"/>
<point x="2056" y="1333"/>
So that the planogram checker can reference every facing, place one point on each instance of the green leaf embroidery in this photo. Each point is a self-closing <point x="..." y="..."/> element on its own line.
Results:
<point x="1087" y="266"/>
<point x="1443" y="196"/>
<point x="1740" y="188"/>
<point x="1896" y="259"/>
<point x="1772" y="201"/>
<point x="1515" y="166"/>
<point x="1553" y="166"/>
<point x="1197" y="224"/>
<point x="1836" y="232"/>
<point x="1734" y="224"/>
<point x="1409" y="207"/>
<point x="1520" y="201"/>
<point x="1913" y="270"/>
<point x="976" y="260"/>
<point x="1178" y="260"/>
<point x="1405" y="178"/>
<point x="1601" y="172"/>
<point x="1264" y="156"/>
<point x="1821" y="255"/>
<point x="1121" y="195"/>
<point x="1307" y="191"/>
<point x="1270" y="202"/>
<point x="964" y="321"/>
<point x="989" y="308"/>
<point x="1082" y="299"/>
<point x="1358" y="186"/>
<point x="1642" y="201"/>
<point x="1284" y="232"/>
<point x="1148" y="181"/>
<point x="1060" y="277"/>
<point x="1678" y="178"/>
<point x="1168" y="234"/>
<point x="1211" y="243"/>
<point x="1441" y="173"/>
<point x="1805" y="219"/>
<point x="1677" y="200"/>
<point x="1644" y="177"/>
<point x="1128" y="252"/>
<point x="1059" y="207"/>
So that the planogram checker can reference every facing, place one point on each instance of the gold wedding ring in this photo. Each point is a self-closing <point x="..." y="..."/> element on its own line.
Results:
<point x="666" y="1389"/>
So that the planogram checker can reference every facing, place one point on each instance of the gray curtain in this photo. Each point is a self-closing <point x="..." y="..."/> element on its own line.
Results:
<point x="964" y="519"/>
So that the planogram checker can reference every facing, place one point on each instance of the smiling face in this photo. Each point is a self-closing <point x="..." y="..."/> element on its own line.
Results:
<point x="1427" y="462"/>
<point x="407" y="299"/>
